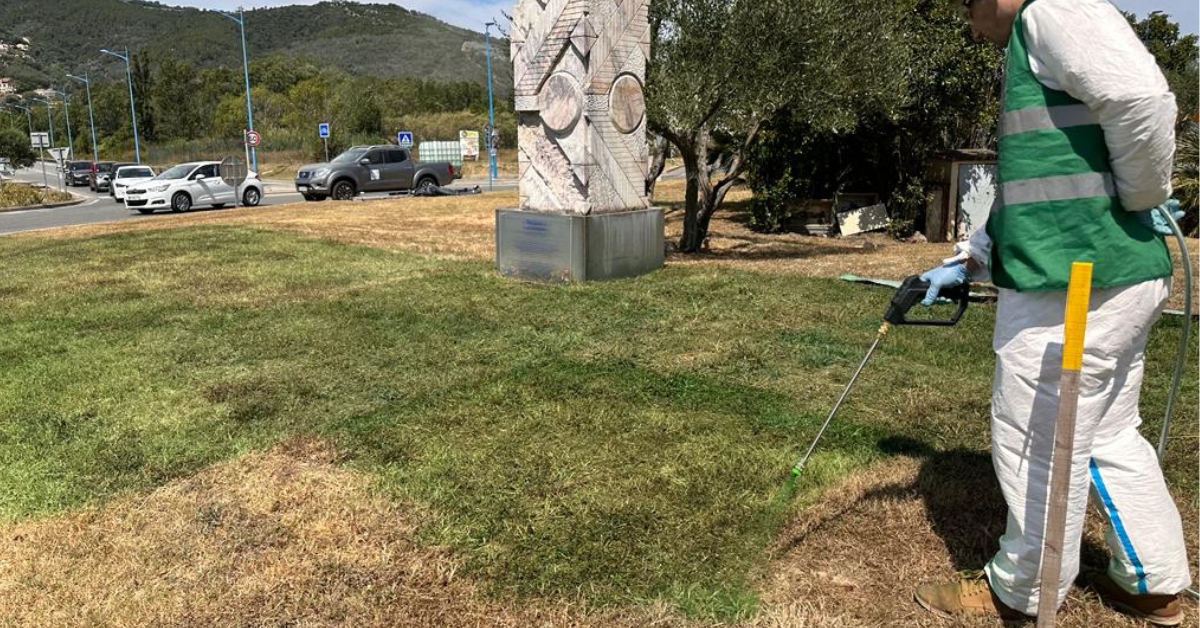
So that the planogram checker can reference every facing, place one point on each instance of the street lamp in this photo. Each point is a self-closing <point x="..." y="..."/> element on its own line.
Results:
<point x="51" y="121"/>
<point x="48" y="118"/>
<point x="137" y="151"/>
<point x="91" y="119"/>
<point x="67" y="113"/>
<point x="240" y="18"/>
<point x="487" y="38"/>
<point x="28" y="119"/>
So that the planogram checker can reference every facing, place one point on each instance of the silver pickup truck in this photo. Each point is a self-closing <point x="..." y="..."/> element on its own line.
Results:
<point x="386" y="168"/>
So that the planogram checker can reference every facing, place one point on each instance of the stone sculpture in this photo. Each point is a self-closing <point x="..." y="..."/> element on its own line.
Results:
<point x="578" y="76"/>
<point x="578" y="70"/>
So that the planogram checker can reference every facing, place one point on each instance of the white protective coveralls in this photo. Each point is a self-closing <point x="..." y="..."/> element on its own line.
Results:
<point x="1086" y="48"/>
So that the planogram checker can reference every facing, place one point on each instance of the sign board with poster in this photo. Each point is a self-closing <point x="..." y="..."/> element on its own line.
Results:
<point x="469" y="141"/>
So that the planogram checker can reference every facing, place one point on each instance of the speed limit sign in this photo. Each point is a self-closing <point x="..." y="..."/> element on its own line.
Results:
<point x="253" y="138"/>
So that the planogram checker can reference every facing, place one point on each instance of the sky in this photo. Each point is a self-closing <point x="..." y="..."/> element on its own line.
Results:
<point x="473" y="14"/>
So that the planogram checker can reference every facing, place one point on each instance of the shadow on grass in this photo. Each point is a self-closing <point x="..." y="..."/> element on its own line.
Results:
<point x="964" y="503"/>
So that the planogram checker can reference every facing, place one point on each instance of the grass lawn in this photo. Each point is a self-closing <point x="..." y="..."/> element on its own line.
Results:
<point x="615" y="445"/>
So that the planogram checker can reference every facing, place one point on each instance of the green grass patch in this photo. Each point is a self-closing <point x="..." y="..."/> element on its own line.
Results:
<point x="613" y="442"/>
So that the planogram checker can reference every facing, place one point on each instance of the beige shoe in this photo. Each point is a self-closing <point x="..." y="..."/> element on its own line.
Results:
<point x="970" y="596"/>
<point x="1160" y="610"/>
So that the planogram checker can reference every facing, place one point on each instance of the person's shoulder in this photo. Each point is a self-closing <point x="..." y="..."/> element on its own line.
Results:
<point x="1071" y="13"/>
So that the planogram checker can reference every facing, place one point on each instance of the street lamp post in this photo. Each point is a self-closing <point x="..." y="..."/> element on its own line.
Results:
<point x="137" y="150"/>
<point x="51" y="121"/>
<point x="49" y="118"/>
<point x="29" y="121"/>
<point x="91" y="119"/>
<point x="240" y="18"/>
<point x="487" y="38"/>
<point x="67" y="113"/>
<point x="58" y="168"/>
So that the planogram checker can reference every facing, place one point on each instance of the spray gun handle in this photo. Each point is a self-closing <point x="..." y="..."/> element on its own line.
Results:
<point x="912" y="290"/>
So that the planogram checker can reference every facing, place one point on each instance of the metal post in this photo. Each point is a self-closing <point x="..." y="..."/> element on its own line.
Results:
<point x="241" y="22"/>
<point x="91" y="119"/>
<point x="137" y="151"/>
<point x="28" y="120"/>
<point x="67" y="113"/>
<point x="491" y="110"/>
<point x="50" y="119"/>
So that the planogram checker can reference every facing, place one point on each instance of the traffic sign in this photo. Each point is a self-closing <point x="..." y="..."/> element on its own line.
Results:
<point x="323" y="129"/>
<point x="39" y="140"/>
<point x="233" y="171"/>
<point x="253" y="138"/>
<point x="404" y="139"/>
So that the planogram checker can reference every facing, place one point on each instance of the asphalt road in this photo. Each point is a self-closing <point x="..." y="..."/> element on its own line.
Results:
<point x="99" y="207"/>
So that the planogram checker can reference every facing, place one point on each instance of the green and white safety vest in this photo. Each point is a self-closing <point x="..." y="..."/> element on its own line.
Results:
<point x="1058" y="201"/>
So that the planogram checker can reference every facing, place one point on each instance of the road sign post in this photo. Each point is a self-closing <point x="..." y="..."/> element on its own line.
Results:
<point x="233" y="172"/>
<point x="40" y="141"/>
<point x="323" y="131"/>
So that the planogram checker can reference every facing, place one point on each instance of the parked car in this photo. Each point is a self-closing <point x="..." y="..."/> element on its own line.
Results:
<point x="78" y="173"/>
<point x="182" y="187"/>
<point x="386" y="168"/>
<point x="127" y="177"/>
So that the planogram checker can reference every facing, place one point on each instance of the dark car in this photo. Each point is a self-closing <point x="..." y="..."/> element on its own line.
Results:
<point x="79" y="173"/>
<point x="383" y="168"/>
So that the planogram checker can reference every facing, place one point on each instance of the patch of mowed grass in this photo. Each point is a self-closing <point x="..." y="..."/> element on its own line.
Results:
<point x="613" y="442"/>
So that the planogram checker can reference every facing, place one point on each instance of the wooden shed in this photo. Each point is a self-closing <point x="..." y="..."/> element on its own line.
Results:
<point x="963" y="191"/>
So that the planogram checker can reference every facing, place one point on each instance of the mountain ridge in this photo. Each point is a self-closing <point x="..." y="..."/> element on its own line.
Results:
<point x="383" y="40"/>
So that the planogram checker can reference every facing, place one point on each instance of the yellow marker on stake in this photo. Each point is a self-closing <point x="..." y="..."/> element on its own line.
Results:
<point x="1079" y="294"/>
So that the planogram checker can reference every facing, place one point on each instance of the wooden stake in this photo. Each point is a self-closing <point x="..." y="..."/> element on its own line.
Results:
<point x="1079" y="293"/>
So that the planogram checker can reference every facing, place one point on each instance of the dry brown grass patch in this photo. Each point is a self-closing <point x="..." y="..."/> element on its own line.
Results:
<point x="860" y="551"/>
<point x="280" y="538"/>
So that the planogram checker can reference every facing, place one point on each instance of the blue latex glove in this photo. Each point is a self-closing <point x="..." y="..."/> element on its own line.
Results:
<point x="1153" y="218"/>
<point x="943" y="277"/>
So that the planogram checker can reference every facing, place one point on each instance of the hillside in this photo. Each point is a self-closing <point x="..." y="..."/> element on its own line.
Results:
<point x="376" y="39"/>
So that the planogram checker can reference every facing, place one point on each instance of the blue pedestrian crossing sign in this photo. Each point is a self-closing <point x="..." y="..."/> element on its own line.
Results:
<point x="404" y="139"/>
<point x="323" y="129"/>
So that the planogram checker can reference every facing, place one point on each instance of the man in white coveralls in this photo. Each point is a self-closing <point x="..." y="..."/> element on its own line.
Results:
<point x="1085" y="154"/>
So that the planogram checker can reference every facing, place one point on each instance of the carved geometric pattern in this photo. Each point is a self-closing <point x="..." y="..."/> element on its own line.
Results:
<point x="578" y="68"/>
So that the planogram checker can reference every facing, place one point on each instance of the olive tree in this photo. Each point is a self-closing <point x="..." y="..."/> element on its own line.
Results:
<point x="720" y="69"/>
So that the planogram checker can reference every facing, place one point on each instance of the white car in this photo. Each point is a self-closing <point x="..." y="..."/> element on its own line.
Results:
<point x="127" y="177"/>
<point x="182" y="187"/>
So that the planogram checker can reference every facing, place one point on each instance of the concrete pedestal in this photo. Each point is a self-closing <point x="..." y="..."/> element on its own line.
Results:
<point x="559" y="248"/>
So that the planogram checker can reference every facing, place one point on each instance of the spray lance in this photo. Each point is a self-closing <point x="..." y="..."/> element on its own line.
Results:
<point x="911" y="291"/>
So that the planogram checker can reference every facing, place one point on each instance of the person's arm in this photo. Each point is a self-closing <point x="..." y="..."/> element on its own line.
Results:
<point x="1087" y="49"/>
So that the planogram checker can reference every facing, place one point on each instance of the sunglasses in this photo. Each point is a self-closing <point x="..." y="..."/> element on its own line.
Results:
<point x="964" y="10"/>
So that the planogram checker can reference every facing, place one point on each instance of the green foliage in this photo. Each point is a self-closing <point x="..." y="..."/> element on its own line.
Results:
<point x="1186" y="179"/>
<point x="950" y="100"/>
<point x="23" y="195"/>
<point x="1177" y="56"/>
<point x="379" y="39"/>
<point x="15" y="146"/>
<point x="721" y="71"/>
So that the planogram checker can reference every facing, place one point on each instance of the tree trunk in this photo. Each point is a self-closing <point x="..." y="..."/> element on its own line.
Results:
<point x="699" y="196"/>
<point x="658" y="161"/>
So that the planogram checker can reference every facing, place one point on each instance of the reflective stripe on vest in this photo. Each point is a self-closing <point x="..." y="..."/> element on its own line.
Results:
<point x="1060" y="188"/>
<point x="1042" y="118"/>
